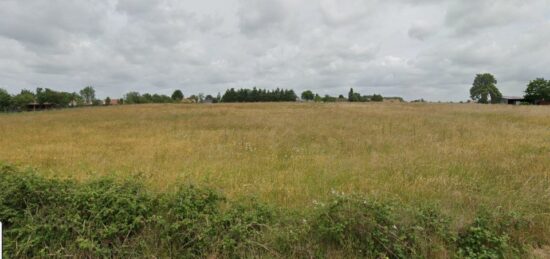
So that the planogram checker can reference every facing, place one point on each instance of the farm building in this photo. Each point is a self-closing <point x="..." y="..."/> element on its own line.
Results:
<point x="393" y="99"/>
<point x="39" y="106"/>
<point x="516" y="100"/>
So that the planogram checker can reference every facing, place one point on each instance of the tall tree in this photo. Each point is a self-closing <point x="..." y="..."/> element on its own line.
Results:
<point x="351" y="95"/>
<point x="538" y="89"/>
<point x="308" y="95"/>
<point x="5" y="100"/>
<point x="484" y="86"/>
<point x="132" y="98"/>
<point x="177" y="96"/>
<point x="88" y="94"/>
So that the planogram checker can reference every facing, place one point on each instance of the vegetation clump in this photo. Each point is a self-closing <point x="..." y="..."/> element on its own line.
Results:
<point x="107" y="218"/>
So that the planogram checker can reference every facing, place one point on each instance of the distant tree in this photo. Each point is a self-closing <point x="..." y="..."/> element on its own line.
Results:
<point x="21" y="100"/>
<point x="201" y="98"/>
<point x="308" y="95"/>
<point x="121" y="101"/>
<point x="132" y="98"/>
<point x="177" y="96"/>
<point x="538" y="89"/>
<point x="55" y="98"/>
<point x="317" y="98"/>
<point x="484" y="86"/>
<point x="258" y="95"/>
<point x="88" y="94"/>
<point x="351" y="95"/>
<point x="423" y="101"/>
<point x="76" y="99"/>
<point x="356" y="97"/>
<point x="5" y="100"/>
<point x="107" y="101"/>
<point x="377" y="98"/>
<point x="146" y="98"/>
<point x="341" y="96"/>
<point x="209" y="99"/>
<point x="328" y="99"/>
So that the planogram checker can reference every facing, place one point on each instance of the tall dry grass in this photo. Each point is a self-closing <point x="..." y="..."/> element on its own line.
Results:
<point x="457" y="156"/>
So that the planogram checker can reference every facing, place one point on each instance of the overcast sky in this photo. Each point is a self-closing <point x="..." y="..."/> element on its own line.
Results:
<point x="428" y="49"/>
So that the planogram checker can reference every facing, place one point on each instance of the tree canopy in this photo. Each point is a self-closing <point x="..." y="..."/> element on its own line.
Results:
<point x="88" y="94"/>
<point x="308" y="95"/>
<point x="537" y="90"/>
<point x="177" y="95"/>
<point x="258" y="95"/>
<point x="21" y="100"/>
<point x="484" y="86"/>
<point x="5" y="100"/>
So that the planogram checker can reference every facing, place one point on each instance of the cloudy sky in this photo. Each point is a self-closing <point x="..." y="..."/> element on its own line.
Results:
<point x="428" y="49"/>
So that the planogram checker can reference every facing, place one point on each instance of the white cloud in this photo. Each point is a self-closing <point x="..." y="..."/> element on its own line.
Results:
<point x="417" y="49"/>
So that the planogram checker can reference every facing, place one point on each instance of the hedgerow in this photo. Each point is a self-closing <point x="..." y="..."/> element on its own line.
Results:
<point x="111" y="218"/>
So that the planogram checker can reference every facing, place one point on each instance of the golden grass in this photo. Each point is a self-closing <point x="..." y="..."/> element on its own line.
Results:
<point x="458" y="156"/>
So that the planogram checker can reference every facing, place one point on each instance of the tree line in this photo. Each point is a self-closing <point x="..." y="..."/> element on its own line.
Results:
<point x="87" y="97"/>
<point x="484" y="90"/>
<point x="258" y="95"/>
<point x="352" y="97"/>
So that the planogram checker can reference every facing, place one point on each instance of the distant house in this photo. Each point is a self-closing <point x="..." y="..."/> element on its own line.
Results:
<point x="515" y="100"/>
<point x="115" y="102"/>
<point x="188" y="100"/>
<point x="393" y="99"/>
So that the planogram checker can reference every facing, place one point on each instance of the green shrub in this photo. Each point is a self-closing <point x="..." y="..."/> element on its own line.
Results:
<point x="198" y="222"/>
<point x="374" y="229"/>
<point x="107" y="218"/>
<point x="493" y="236"/>
<point x="53" y="218"/>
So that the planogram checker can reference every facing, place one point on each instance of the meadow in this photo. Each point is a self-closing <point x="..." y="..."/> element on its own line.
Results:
<point x="458" y="157"/>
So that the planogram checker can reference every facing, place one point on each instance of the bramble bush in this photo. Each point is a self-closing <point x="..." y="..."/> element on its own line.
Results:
<point x="109" y="218"/>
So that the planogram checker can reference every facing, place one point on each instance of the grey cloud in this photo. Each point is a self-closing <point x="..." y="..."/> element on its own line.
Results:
<point x="421" y="30"/>
<point x="417" y="49"/>
<point x="256" y="16"/>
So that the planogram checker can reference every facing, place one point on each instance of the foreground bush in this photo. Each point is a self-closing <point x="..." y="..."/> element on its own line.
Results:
<point x="109" y="218"/>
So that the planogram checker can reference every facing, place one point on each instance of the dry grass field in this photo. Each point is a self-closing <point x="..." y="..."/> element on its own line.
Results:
<point x="456" y="156"/>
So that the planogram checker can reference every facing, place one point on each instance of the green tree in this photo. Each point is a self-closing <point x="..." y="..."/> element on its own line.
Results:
<point x="21" y="100"/>
<point x="177" y="96"/>
<point x="108" y="101"/>
<point x="484" y="86"/>
<point x="88" y="94"/>
<point x="377" y="98"/>
<point x="351" y="95"/>
<point x="308" y="95"/>
<point x="538" y="89"/>
<point x="194" y="98"/>
<point x="5" y="100"/>
<point x="132" y="98"/>
<point x="317" y="98"/>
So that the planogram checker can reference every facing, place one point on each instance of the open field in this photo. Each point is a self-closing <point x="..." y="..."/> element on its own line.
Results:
<point x="292" y="154"/>
<point x="457" y="157"/>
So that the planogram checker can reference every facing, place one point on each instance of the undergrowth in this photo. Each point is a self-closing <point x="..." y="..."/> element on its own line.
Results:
<point x="109" y="218"/>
